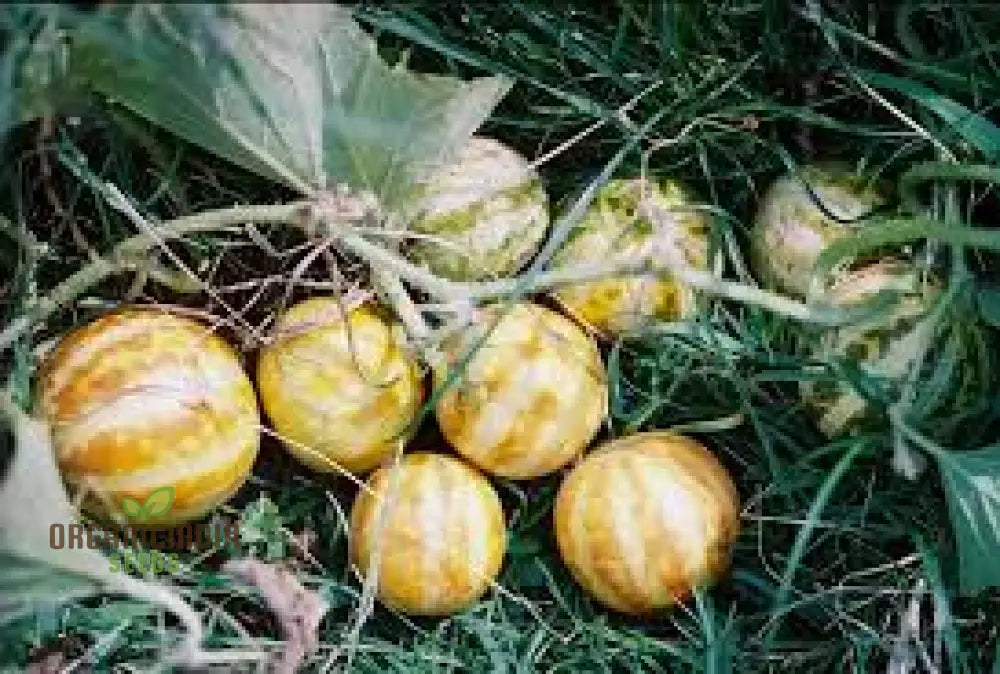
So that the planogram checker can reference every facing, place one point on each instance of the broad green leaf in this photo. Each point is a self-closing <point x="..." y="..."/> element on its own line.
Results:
<point x="974" y="128"/>
<point x="972" y="486"/>
<point x="294" y="92"/>
<point x="132" y="508"/>
<point x="158" y="502"/>
<point x="33" y="499"/>
<point x="32" y="571"/>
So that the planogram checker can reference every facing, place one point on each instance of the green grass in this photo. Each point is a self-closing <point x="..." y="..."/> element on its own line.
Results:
<point x="837" y="549"/>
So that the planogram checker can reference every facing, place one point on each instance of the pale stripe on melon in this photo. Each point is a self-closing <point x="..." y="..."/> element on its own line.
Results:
<point x="483" y="215"/>
<point x="442" y="536"/>
<point x="645" y="519"/>
<point x="348" y="401"/>
<point x="532" y="396"/>
<point x="141" y="399"/>
<point x="614" y="229"/>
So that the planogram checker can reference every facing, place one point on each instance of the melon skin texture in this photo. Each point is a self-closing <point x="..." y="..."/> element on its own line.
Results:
<point x="886" y="345"/>
<point x="340" y="393"/>
<point x="140" y="399"/>
<point x="434" y="529"/>
<point x="790" y="230"/>
<point x="645" y="519"/>
<point x="482" y="216"/>
<point x="530" y="399"/>
<point x="613" y="231"/>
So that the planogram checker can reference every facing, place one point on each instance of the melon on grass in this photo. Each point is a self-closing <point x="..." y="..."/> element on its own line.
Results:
<point x="530" y="398"/>
<point x="432" y="531"/>
<point x="613" y="230"/>
<point x="790" y="230"/>
<point x="141" y="399"/>
<point x="645" y="519"/>
<point x="482" y="216"/>
<point x="886" y="346"/>
<point x="340" y="390"/>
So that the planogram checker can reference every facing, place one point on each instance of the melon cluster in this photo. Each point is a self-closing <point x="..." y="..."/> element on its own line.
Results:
<point x="799" y="216"/>
<point x="140" y="399"/>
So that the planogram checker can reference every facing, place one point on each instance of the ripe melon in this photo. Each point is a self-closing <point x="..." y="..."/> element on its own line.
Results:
<point x="645" y="519"/>
<point x="340" y="393"/>
<point x="140" y="399"/>
<point x="433" y="529"/>
<point x="614" y="231"/>
<point x="531" y="397"/>
<point x="790" y="230"/>
<point x="482" y="216"/>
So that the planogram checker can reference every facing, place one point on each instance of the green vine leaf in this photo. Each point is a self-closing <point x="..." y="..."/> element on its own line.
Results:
<point x="37" y="567"/>
<point x="294" y="92"/>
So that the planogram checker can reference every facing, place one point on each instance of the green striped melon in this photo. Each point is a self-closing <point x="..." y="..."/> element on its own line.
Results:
<point x="790" y="230"/>
<point x="886" y="346"/>
<point x="614" y="231"/>
<point x="482" y="216"/>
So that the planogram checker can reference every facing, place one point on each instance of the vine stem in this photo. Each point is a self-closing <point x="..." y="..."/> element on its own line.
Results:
<point x="390" y="265"/>
<point x="695" y="278"/>
<point x="381" y="258"/>
<point x="122" y="257"/>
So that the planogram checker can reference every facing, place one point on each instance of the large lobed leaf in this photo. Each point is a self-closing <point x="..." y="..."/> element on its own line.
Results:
<point x="32" y="498"/>
<point x="294" y="92"/>
<point x="972" y="486"/>
<point x="32" y="573"/>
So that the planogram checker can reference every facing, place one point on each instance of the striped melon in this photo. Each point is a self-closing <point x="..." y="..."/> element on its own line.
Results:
<point x="645" y="519"/>
<point x="433" y="529"/>
<point x="340" y="393"/>
<point x="790" y="230"/>
<point x="142" y="399"/>
<point x="886" y="346"/>
<point x="531" y="397"/>
<point x="612" y="230"/>
<point x="482" y="216"/>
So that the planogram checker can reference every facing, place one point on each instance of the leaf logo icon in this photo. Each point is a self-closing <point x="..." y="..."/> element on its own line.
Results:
<point x="157" y="503"/>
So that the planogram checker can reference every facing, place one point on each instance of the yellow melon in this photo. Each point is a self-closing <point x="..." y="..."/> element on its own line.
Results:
<point x="142" y="399"/>
<point x="643" y="520"/>
<point x="614" y="230"/>
<point x="340" y="393"/>
<point x="432" y="529"/>
<point x="531" y="397"/>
